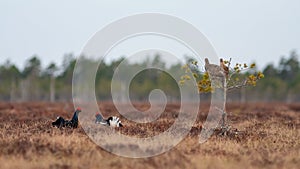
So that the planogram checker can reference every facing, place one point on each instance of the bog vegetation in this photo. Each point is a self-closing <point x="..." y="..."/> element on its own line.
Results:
<point x="27" y="139"/>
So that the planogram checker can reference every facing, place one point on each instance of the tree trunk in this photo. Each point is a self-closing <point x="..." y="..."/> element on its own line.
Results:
<point x="52" y="89"/>
<point x="243" y="95"/>
<point x="24" y="90"/>
<point x="224" y="114"/>
<point x="13" y="91"/>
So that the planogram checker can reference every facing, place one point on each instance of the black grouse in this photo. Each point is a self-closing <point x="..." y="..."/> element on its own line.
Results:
<point x="61" y="122"/>
<point x="111" y="121"/>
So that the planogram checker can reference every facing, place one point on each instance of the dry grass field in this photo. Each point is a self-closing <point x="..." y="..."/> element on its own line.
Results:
<point x="271" y="139"/>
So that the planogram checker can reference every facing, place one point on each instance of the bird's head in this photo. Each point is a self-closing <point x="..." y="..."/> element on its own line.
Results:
<point x="78" y="109"/>
<point x="206" y="61"/>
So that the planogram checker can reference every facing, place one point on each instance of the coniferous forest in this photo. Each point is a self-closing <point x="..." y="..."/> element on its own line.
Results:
<point x="54" y="82"/>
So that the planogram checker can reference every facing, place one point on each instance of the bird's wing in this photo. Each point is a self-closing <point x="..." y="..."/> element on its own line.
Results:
<point x="100" y="119"/>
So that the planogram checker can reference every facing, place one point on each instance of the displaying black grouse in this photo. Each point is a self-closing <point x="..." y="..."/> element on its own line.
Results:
<point x="61" y="122"/>
<point x="111" y="121"/>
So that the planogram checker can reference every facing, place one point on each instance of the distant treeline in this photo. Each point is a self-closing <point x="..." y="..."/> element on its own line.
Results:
<point x="54" y="83"/>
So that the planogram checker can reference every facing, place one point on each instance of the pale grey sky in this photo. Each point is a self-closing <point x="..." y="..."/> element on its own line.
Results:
<point x="252" y="30"/>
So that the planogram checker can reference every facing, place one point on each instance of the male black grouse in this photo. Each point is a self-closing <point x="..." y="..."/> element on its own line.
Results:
<point x="61" y="122"/>
<point x="111" y="121"/>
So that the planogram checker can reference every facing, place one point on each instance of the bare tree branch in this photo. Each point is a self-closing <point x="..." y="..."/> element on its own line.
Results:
<point x="237" y="86"/>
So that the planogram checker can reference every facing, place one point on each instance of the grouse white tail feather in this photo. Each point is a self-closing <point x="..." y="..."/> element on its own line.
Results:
<point x="114" y="122"/>
<point x="111" y="121"/>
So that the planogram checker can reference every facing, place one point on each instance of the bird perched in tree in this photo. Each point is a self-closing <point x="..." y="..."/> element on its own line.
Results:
<point x="214" y="70"/>
<point x="224" y="67"/>
<point x="73" y="123"/>
<point x="206" y="64"/>
<point x="111" y="121"/>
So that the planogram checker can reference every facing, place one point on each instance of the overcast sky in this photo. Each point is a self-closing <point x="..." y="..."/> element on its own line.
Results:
<point x="252" y="30"/>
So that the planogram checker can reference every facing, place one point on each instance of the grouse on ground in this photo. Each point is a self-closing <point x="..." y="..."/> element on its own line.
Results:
<point x="73" y="123"/>
<point x="60" y="122"/>
<point x="112" y="121"/>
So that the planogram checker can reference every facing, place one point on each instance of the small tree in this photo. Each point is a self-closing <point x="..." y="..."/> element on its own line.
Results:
<point x="51" y="69"/>
<point x="30" y="81"/>
<point x="9" y="77"/>
<point x="223" y="77"/>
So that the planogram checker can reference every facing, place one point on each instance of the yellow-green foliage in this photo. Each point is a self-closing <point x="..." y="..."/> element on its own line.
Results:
<point x="235" y="79"/>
